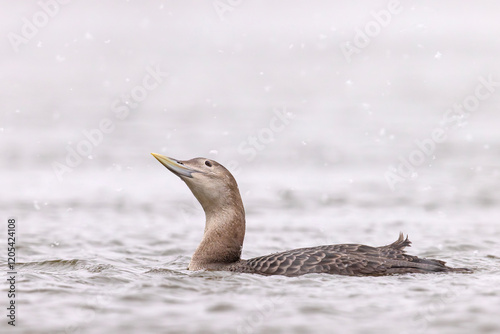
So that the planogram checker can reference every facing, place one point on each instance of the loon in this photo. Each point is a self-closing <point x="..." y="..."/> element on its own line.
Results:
<point x="220" y="248"/>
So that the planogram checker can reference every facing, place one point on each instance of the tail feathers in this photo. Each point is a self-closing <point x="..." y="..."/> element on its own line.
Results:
<point x="399" y="244"/>
<point x="416" y="263"/>
<point x="440" y="266"/>
<point x="459" y="270"/>
<point x="422" y="265"/>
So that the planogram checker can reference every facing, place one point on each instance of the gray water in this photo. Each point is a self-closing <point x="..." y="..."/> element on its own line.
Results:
<point x="310" y="134"/>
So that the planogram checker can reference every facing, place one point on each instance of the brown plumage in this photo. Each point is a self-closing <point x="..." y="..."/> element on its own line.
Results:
<point x="220" y="249"/>
<point x="347" y="259"/>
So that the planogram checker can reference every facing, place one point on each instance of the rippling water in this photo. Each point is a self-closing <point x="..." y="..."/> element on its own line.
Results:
<point x="104" y="248"/>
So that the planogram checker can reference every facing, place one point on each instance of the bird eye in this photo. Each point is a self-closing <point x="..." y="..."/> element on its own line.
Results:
<point x="208" y="163"/>
<point x="180" y="163"/>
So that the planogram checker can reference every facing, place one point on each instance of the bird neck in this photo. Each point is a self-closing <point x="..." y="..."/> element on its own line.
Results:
<point x="223" y="238"/>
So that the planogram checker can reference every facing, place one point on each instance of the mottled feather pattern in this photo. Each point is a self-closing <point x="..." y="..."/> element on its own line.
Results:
<point x="346" y="259"/>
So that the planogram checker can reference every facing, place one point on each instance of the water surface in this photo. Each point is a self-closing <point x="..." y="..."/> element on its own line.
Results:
<point x="104" y="248"/>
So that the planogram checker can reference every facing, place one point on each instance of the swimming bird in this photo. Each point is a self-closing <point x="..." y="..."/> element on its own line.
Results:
<point x="220" y="248"/>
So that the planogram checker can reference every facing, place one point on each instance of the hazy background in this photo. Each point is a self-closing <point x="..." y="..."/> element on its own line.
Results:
<point x="225" y="78"/>
<point x="321" y="177"/>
